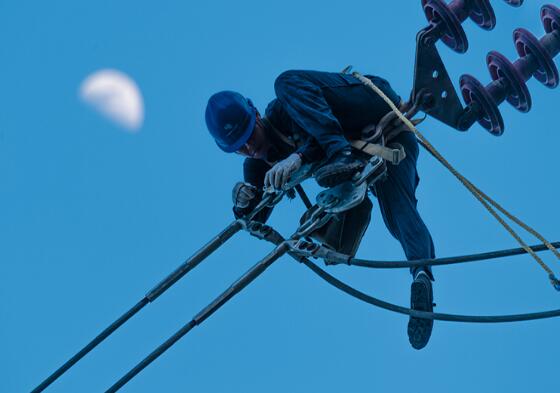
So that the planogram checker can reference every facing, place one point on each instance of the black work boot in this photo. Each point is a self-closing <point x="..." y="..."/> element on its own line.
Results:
<point x="421" y="299"/>
<point x="340" y="168"/>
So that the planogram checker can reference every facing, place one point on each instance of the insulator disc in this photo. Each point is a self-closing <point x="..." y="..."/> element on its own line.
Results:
<point x="550" y="16"/>
<point x="439" y="12"/>
<point x="483" y="14"/>
<point x="518" y="93"/>
<point x="526" y="43"/>
<point x="490" y="117"/>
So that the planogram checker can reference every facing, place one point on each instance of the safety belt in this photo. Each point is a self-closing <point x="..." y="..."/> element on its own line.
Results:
<point x="393" y="153"/>
<point x="375" y="144"/>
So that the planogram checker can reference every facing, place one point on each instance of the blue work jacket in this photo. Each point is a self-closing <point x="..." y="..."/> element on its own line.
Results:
<point x="310" y="105"/>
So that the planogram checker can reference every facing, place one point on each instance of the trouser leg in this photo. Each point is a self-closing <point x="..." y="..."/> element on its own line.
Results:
<point x="398" y="204"/>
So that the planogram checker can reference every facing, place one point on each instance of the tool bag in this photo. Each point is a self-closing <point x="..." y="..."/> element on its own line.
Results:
<point x="344" y="232"/>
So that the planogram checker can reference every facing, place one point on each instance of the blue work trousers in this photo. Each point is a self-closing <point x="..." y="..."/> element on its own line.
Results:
<point x="398" y="204"/>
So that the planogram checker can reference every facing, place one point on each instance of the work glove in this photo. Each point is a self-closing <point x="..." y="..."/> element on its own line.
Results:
<point x="280" y="173"/>
<point x="242" y="194"/>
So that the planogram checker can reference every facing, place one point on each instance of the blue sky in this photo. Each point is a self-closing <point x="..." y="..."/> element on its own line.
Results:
<point x="93" y="217"/>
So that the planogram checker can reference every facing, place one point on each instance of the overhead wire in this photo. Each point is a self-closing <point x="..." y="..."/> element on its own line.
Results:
<point x="335" y="258"/>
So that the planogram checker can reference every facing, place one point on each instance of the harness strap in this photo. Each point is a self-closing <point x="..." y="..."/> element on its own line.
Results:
<point x="376" y="138"/>
<point x="394" y="153"/>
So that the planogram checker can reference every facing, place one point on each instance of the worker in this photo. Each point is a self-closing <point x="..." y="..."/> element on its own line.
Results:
<point x="314" y="118"/>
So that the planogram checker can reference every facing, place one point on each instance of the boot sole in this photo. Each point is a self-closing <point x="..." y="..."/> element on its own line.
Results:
<point x="420" y="329"/>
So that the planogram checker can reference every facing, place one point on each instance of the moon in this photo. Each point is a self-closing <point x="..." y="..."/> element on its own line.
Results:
<point x="115" y="96"/>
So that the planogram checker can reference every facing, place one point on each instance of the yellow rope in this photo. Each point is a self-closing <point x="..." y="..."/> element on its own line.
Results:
<point x="486" y="201"/>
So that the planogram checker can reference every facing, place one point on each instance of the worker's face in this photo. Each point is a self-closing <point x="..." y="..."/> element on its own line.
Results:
<point x="258" y="144"/>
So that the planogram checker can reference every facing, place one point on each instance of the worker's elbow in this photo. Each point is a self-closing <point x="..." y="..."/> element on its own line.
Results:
<point x="286" y="81"/>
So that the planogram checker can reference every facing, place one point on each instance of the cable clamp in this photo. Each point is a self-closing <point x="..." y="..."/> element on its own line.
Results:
<point x="303" y="247"/>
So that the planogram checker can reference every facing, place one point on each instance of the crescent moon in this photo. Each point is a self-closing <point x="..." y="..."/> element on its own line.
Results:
<point x="115" y="96"/>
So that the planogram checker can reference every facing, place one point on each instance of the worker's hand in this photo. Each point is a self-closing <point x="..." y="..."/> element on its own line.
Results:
<point x="280" y="173"/>
<point x="242" y="194"/>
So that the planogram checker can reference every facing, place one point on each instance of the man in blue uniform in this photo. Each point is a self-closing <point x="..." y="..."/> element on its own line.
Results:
<point x="314" y="116"/>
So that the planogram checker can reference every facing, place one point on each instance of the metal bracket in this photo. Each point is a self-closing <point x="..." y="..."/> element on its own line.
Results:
<point x="433" y="90"/>
<point x="302" y="174"/>
<point x="372" y="172"/>
<point x="343" y="197"/>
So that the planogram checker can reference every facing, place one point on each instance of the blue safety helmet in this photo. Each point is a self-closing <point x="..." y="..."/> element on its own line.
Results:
<point x="230" y="118"/>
